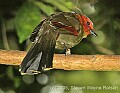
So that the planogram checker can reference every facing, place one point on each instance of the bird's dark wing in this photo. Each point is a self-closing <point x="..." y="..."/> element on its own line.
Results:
<point x="35" y="31"/>
<point x="40" y="55"/>
<point x="66" y="21"/>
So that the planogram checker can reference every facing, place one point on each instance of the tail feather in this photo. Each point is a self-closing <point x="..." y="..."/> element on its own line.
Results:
<point x="33" y="65"/>
<point x="40" y="56"/>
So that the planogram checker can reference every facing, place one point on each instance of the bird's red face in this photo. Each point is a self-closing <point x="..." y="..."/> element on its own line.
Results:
<point x="86" y="24"/>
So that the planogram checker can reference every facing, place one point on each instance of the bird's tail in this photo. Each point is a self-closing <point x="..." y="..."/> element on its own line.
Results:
<point x="40" y="56"/>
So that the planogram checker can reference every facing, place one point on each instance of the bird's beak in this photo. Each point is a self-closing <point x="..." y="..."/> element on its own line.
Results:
<point x="93" y="33"/>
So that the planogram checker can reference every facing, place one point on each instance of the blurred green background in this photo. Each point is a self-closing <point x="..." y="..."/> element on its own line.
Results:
<point x="18" y="18"/>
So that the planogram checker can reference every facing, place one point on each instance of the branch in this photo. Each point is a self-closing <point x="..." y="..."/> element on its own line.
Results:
<point x="69" y="62"/>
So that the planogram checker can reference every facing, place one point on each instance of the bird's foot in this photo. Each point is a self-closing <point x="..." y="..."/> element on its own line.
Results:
<point x="68" y="52"/>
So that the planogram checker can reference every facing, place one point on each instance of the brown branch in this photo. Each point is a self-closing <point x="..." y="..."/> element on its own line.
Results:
<point x="69" y="62"/>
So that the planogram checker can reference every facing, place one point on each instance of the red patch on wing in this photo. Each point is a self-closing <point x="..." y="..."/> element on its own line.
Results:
<point x="69" y="28"/>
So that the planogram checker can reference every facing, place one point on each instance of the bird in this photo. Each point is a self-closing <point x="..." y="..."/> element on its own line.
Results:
<point x="62" y="31"/>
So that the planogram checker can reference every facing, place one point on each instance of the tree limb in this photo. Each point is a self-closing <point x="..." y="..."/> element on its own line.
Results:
<point x="69" y="62"/>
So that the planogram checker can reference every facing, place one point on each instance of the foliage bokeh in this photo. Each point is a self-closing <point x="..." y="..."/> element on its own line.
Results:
<point x="18" y="18"/>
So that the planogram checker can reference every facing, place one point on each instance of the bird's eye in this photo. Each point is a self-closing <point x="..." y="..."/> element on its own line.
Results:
<point x="88" y="23"/>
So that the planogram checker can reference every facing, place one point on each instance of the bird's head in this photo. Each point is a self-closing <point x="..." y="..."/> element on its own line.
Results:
<point x="87" y="25"/>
